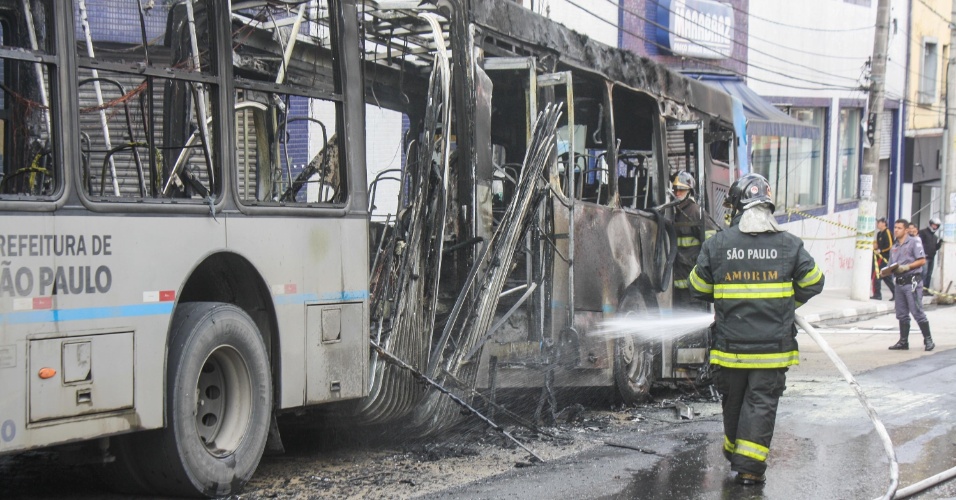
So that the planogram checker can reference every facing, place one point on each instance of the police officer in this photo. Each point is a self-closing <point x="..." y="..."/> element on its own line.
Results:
<point x="756" y="274"/>
<point x="906" y="258"/>
<point x="690" y="222"/>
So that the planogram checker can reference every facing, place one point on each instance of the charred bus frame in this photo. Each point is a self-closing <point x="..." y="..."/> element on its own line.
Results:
<point x="186" y="227"/>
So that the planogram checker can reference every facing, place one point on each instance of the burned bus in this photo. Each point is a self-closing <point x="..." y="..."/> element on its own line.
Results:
<point x="215" y="212"/>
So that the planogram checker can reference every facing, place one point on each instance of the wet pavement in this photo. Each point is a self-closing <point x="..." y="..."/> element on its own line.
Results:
<point x="825" y="446"/>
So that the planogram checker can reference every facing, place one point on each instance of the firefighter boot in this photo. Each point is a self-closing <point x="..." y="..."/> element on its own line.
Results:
<point x="927" y="338"/>
<point x="903" y="344"/>
<point x="748" y="479"/>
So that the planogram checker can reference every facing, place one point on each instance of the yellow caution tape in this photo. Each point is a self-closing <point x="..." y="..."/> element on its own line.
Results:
<point x="828" y="221"/>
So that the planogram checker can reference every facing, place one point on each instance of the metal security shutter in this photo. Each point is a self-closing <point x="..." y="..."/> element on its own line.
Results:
<point x="886" y="134"/>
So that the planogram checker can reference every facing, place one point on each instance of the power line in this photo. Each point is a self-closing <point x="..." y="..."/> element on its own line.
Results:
<point x="807" y="28"/>
<point x="829" y="86"/>
<point x="737" y="30"/>
<point x="931" y="9"/>
<point x="750" y="35"/>
<point x="783" y="46"/>
<point x="773" y="71"/>
<point x="916" y="73"/>
<point x="771" y="42"/>
<point x="932" y="107"/>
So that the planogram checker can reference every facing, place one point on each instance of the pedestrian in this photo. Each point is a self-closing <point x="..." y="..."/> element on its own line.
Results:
<point x="906" y="258"/>
<point x="756" y="274"/>
<point x="931" y="243"/>
<point x="692" y="226"/>
<point x="912" y="230"/>
<point x="881" y="251"/>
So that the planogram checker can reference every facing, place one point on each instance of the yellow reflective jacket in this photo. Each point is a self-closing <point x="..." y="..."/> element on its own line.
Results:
<point x="755" y="282"/>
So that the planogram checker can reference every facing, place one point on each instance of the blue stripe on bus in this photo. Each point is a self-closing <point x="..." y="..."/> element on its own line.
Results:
<point x="86" y="313"/>
<point x="155" y="309"/>
<point x="302" y="298"/>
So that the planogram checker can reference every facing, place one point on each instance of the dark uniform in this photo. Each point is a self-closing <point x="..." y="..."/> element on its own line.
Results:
<point x="884" y="242"/>
<point x="931" y="243"/>
<point x="692" y="229"/>
<point x="755" y="281"/>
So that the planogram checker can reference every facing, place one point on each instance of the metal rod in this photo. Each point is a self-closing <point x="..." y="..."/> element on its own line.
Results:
<point x="290" y="43"/>
<point x="200" y="92"/>
<point x="513" y="290"/>
<point x="104" y="123"/>
<point x="491" y="331"/>
<point x="420" y="376"/>
<point x="35" y="45"/>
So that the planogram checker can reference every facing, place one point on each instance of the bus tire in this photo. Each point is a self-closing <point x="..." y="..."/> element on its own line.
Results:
<point x="218" y="403"/>
<point x="633" y="356"/>
<point x="633" y="370"/>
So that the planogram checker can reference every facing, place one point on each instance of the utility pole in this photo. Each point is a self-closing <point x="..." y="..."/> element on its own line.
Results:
<point x="866" y="214"/>
<point x="948" y="174"/>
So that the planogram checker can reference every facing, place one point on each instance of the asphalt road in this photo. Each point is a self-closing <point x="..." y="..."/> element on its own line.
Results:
<point x="825" y="445"/>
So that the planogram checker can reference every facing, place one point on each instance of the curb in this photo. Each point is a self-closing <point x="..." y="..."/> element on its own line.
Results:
<point x="851" y="313"/>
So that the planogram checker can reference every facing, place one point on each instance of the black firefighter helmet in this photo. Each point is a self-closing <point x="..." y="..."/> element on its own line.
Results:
<point x="683" y="180"/>
<point x="750" y="190"/>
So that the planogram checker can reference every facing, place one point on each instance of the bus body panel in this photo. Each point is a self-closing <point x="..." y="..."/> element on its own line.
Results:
<point x="318" y="287"/>
<point x="87" y="291"/>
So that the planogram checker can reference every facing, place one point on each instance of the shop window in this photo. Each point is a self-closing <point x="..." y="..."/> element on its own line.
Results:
<point x="848" y="155"/>
<point x="793" y="165"/>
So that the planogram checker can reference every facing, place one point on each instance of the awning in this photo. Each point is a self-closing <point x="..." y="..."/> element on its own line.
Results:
<point x="763" y="118"/>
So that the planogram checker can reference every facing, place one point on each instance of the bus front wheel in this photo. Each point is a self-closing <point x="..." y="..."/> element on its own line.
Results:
<point x="218" y="404"/>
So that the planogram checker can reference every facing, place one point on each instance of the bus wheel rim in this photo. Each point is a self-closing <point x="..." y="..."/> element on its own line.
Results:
<point x="224" y="401"/>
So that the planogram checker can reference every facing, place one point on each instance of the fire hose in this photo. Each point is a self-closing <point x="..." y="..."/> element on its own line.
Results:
<point x="892" y="491"/>
<point x="877" y="423"/>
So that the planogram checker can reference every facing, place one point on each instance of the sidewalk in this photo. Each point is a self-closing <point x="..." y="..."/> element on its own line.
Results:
<point x="835" y="305"/>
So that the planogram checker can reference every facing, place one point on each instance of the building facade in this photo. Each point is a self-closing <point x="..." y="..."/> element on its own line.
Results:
<point x="810" y="60"/>
<point x="925" y="109"/>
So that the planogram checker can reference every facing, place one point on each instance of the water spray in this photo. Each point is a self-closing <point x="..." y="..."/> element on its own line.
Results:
<point x="678" y="324"/>
<point x="653" y="325"/>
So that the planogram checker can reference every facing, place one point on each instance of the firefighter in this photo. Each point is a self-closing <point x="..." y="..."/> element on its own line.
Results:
<point x="693" y="226"/>
<point x="756" y="274"/>
<point x="906" y="258"/>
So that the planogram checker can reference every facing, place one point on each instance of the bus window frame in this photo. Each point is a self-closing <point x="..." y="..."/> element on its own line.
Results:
<point x="214" y="78"/>
<point x="351" y="106"/>
<point x="54" y="63"/>
<point x="338" y="97"/>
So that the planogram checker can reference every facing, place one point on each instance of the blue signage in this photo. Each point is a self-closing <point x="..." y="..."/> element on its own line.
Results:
<point x="699" y="28"/>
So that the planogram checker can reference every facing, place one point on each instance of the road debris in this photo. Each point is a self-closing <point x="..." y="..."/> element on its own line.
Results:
<point x="420" y="376"/>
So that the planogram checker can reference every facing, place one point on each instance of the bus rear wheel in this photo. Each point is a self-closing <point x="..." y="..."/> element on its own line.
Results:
<point x="633" y="370"/>
<point x="633" y="356"/>
<point x="218" y="404"/>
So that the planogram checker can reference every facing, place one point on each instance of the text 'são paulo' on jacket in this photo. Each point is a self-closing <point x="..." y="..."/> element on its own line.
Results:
<point x="755" y="282"/>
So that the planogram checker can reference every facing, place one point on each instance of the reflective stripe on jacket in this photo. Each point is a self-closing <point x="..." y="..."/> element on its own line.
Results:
<point x="691" y="226"/>
<point x="755" y="282"/>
